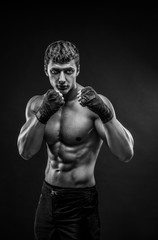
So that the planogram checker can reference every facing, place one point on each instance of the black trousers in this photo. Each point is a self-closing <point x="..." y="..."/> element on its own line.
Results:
<point x="67" y="214"/>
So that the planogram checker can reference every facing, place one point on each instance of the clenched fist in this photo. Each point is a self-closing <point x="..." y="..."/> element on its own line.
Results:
<point x="51" y="103"/>
<point x="88" y="97"/>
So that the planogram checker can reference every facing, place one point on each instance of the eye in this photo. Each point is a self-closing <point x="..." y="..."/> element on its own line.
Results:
<point x="54" y="71"/>
<point x="69" y="71"/>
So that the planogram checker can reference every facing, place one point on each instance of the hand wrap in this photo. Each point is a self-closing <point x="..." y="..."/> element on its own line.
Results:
<point x="51" y="103"/>
<point x="92" y="100"/>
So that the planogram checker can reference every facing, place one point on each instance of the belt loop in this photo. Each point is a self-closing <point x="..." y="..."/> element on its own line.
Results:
<point x="53" y="192"/>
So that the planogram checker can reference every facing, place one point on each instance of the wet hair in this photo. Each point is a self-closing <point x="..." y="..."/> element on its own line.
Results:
<point x="61" y="52"/>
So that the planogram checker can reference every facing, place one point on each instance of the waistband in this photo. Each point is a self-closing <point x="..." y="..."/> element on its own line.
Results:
<point x="69" y="190"/>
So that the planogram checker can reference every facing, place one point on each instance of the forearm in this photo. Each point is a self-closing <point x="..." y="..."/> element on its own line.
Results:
<point x="30" y="138"/>
<point x="119" y="140"/>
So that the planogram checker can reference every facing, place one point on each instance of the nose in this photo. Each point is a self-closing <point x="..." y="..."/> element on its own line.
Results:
<point x="62" y="78"/>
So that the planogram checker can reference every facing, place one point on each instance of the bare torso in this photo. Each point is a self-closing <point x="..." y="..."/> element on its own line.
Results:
<point x="72" y="146"/>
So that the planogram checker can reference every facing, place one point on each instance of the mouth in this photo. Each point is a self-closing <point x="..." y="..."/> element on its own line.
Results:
<point x="62" y="87"/>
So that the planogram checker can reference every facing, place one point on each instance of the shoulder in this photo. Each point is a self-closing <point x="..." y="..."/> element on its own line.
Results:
<point x="105" y="99"/>
<point x="80" y="87"/>
<point x="33" y="104"/>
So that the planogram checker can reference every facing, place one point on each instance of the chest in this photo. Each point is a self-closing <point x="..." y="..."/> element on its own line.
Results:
<point x="71" y="124"/>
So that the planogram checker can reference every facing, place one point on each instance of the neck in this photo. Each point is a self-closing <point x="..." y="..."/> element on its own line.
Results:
<point x="71" y="95"/>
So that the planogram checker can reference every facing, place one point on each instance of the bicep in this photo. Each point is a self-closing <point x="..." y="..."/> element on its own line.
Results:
<point x="31" y="108"/>
<point x="100" y="128"/>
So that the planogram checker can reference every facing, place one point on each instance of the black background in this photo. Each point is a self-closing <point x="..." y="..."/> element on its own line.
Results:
<point x="119" y="59"/>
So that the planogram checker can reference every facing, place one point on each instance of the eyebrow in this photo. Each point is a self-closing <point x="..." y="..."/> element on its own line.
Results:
<point x="62" y="68"/>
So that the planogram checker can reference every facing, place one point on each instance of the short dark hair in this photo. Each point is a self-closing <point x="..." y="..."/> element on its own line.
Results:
<point x="61" y="52"/>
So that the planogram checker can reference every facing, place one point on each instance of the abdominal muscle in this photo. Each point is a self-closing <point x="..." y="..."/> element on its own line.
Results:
<point x="71" y="166"/>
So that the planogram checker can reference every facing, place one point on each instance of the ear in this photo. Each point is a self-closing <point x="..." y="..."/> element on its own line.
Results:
<point x="78" y="70"/>
<point x="46" y="72"/>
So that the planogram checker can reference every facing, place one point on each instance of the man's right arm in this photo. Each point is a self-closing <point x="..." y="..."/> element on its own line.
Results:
<point x="38" y="112"/>
<point x="31" y="134"/>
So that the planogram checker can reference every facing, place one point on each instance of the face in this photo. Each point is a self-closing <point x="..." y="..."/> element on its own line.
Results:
<point x="62" y="76"/>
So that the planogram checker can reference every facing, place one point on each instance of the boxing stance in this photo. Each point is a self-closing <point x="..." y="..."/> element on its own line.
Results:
<point x="73" y="121"/>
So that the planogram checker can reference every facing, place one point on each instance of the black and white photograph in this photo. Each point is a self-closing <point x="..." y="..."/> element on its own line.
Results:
<point x="79" y="94"/>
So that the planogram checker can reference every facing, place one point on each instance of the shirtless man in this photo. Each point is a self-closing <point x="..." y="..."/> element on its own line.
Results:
<point x="74" y="121"/>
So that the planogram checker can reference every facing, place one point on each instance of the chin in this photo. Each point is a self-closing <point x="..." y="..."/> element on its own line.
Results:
<point x="64" y="91"/>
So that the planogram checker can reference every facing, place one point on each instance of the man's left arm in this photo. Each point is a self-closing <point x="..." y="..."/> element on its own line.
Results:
<point x="117" y="137"/>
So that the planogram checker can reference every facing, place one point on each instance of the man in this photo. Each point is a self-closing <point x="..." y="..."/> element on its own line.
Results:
<point x="73" y="121"/>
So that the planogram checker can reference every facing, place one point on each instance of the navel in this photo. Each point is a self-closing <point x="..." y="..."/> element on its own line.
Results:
<point x="78" y="139"/>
